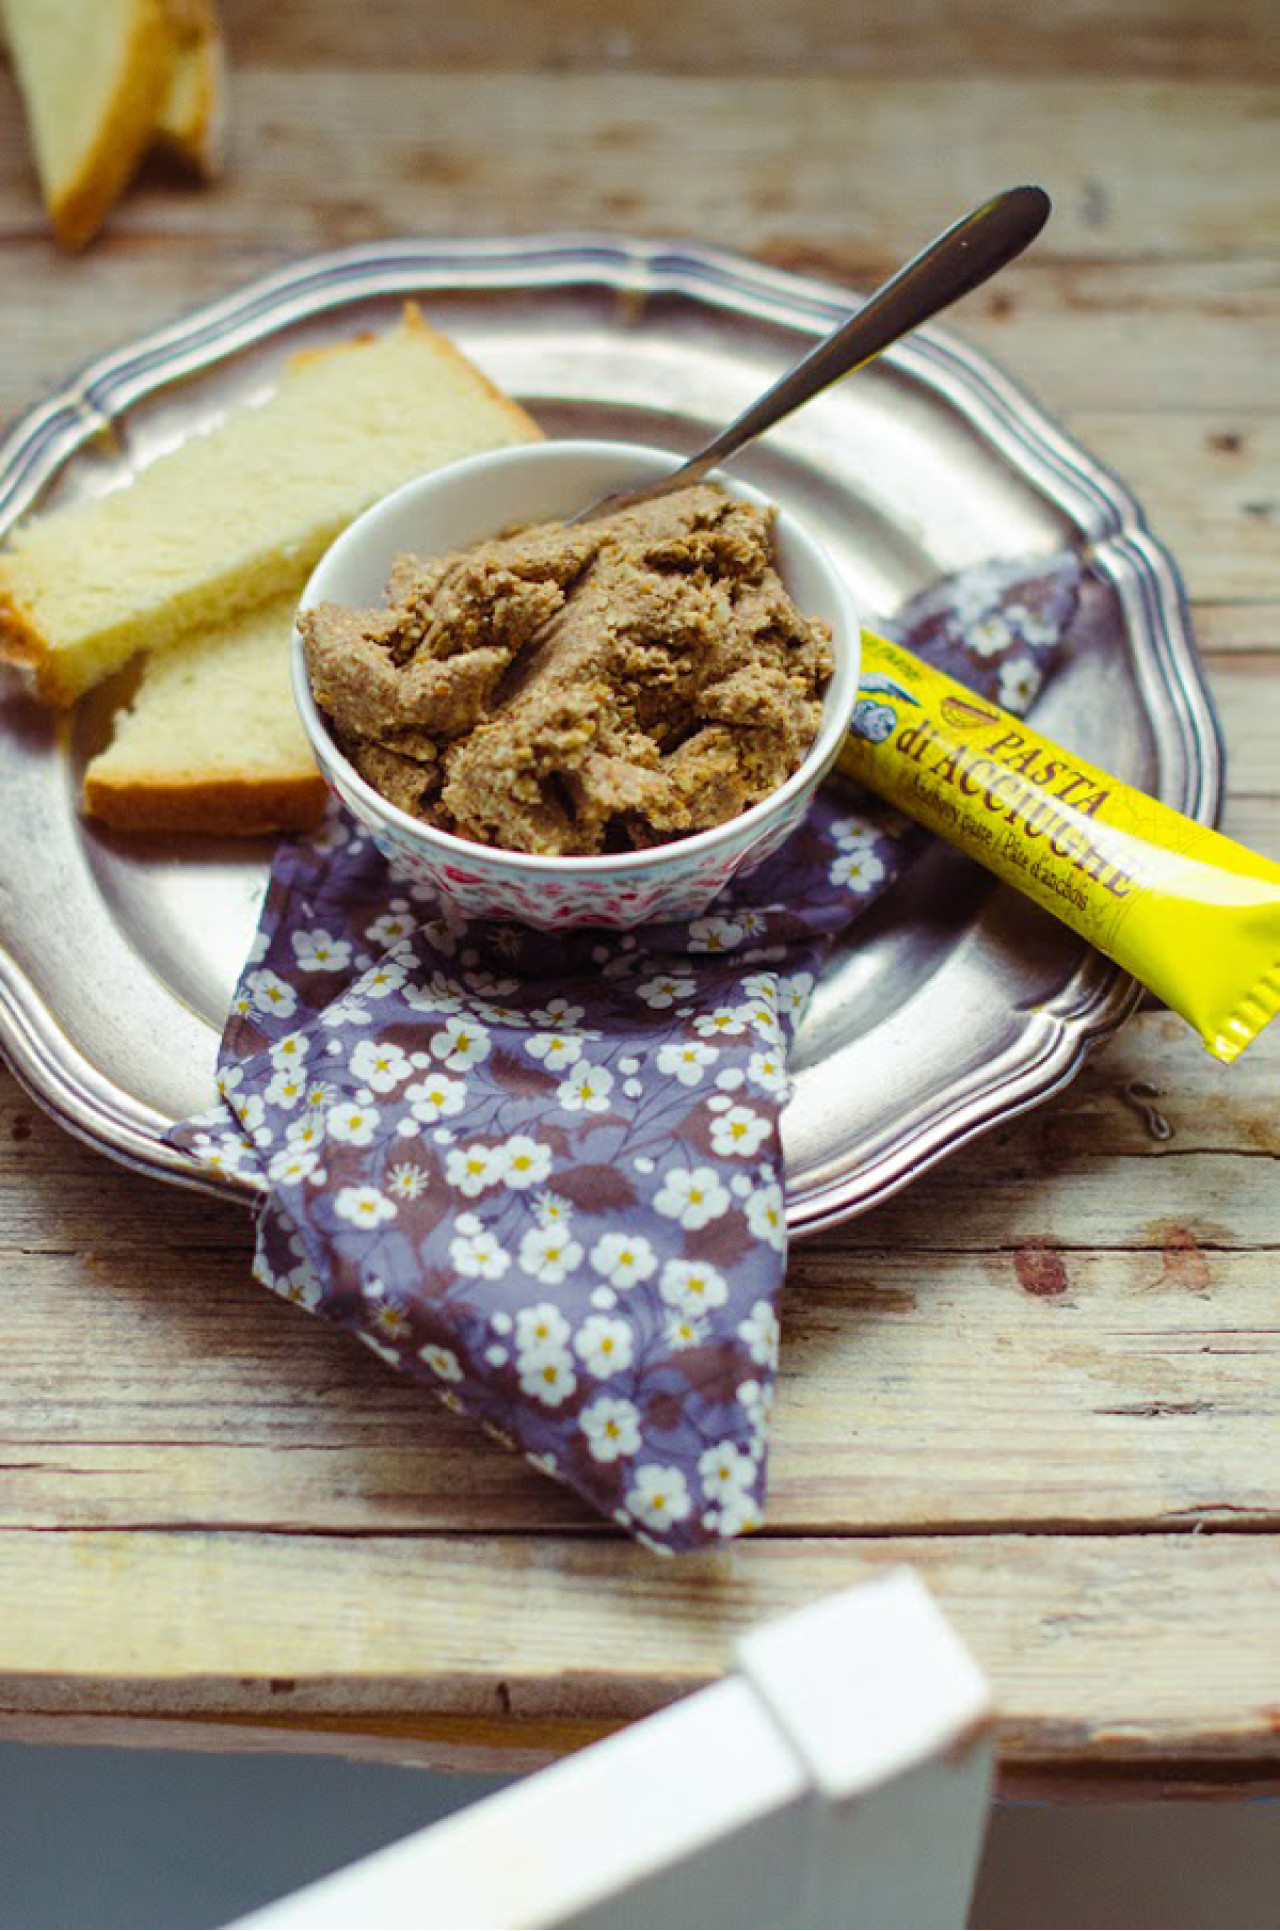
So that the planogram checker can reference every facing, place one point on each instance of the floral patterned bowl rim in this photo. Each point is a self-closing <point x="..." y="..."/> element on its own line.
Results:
<point x="466" y="502"/>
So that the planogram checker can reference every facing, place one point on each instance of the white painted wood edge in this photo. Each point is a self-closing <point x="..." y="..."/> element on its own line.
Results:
<point x="548" y="1847"/>
<point x="561" y="1842"/>
<point x="867" y="1683"/>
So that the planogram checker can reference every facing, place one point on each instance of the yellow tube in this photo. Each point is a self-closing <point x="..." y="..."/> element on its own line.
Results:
<point x="1190" y="913"/>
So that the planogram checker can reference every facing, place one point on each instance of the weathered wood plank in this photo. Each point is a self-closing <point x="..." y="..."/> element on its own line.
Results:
<point x="54" y="1204"/>
<point x="1195" y="39"/>
<point x="1246" y="692"/>
<point x="63" y="311"/>
<point x="1128" y="1390"/>
<point x="53" y="1195"/>
<point x="1153" y="1091"/>
<point x="1217" y="508"/>
<point x="1250" y="628"/>
<point x="1255" y="822"/>
<point x="1184" y="337"/>
<point x="1102" y="1274"/>
<point x="1224" y="1199"/>
<point x="1151" y="1653"/>
<point x="1190" y="338"/>
<point x="1137" y="168"/>
<point x="1218" y="1200"/>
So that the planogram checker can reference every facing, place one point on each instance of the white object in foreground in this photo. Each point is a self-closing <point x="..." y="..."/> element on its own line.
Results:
<point x="839" y="1778"/>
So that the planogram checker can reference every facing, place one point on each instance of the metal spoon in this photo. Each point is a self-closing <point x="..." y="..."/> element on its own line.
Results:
<point x="959" y="260"/>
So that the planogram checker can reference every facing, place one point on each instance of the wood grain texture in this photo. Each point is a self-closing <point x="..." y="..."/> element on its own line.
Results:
<point x="362" y="1640"/>
<point x="1137" y="168"/>
<point x="1045" y="1375"/>
<point x="1109" y="1260"/>
<point x="1199" y="39"/>
<point x="1188" y="339"/>
<point x="1246" y="691"/>
<point x="1252" y="628"/>
<point x="1229" y="498"/>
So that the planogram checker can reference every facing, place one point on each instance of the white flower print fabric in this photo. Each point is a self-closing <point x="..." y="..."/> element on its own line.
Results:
<point x="543" y="1172"/>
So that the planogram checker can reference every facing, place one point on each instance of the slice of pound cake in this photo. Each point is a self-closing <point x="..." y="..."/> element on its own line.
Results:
<point x="212" y="741"/>
<point x="240" y="514"/>
<point x="93" y="76"/>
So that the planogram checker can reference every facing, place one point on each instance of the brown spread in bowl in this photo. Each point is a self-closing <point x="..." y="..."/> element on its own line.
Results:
<point x="578" y="689"/>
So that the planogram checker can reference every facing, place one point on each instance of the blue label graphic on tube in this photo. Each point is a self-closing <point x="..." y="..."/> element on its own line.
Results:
<point x="872" y="718"/>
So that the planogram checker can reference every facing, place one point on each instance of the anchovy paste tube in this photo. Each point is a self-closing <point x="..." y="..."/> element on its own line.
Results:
<point x="1190" y="913"/>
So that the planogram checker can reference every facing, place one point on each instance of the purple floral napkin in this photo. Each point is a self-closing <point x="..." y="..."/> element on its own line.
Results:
<point x="543" y="1172"/>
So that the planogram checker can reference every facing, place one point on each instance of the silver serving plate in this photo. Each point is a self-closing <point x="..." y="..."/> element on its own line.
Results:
<point x="954" y="1006"/>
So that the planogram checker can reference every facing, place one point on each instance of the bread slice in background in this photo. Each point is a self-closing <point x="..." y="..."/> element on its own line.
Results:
<point x="240" y="514"/>
<point x="192" y="121"/>
<point x="212" y="741"/>
<point x="93" y="75"/>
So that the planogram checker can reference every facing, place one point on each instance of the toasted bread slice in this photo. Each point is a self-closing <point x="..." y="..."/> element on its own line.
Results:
<point x="212" y="740"/>
<point x="93" y="76"/>
<point x="240" y="514"/>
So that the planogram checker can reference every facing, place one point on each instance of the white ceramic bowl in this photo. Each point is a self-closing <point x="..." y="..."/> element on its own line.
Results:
<point x="538" y="482"/>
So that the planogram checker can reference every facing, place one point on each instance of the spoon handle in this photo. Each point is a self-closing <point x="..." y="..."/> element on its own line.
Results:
<point x="959" y="260"/>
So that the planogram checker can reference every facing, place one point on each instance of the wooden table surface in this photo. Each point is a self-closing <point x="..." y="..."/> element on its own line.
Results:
<point x="1044" y="1375"/>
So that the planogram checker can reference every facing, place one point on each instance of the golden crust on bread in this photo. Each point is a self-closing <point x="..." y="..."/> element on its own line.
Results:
<point x="412" y="319"/>
<point x="20" y="642"/>
<point x="244" y="807"/>
<point x="209" y="738"/>
<point x="82" y="176"/>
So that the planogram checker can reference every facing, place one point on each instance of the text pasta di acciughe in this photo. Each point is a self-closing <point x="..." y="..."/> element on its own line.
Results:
<point x="1192" y="914"/>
